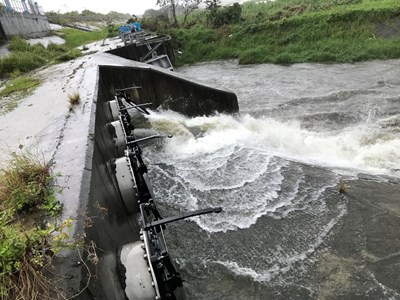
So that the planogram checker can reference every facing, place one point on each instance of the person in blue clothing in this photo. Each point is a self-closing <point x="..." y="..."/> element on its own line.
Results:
<point x="137" y="25"/>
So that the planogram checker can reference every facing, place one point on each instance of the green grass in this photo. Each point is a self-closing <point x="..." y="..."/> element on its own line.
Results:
<point x="20" y="84"/>
<point x="27" y="244"/>
<point x="295" y="31"/>
<point x="74" y="37"/>
<point x="24" y="57"/>
<point x="15" y="90"/>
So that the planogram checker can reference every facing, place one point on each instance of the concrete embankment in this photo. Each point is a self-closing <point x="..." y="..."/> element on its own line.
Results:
<point x="116" y="229"/>
<point x="26" y="25"/>
<point x="80" y="147"/>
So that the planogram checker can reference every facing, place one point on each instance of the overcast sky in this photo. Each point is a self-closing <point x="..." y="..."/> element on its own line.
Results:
<point x="136" y="7"/>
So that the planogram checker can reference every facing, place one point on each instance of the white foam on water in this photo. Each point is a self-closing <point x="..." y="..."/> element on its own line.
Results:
<point x="237" y="163"/>
<point x="242" y="205"/>
<point x="235" y="172"/>
<point x="364" y="148"/>
<point x="242" y="271"/>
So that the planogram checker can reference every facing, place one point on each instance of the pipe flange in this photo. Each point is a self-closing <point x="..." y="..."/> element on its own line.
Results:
<point x="119" y="137"/>
<point x="114" y="109"/>
<point x="127" y="185"/>
<point x="138" y="280"/>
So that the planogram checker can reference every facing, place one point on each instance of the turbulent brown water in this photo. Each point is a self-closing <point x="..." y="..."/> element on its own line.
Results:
<point x="286" y="232"/>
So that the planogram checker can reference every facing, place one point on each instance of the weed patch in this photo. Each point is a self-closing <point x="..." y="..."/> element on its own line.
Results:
<point x="21" y="62"/>
<point x="74" y="53"/>
<point x="19" y="84"/>
<point x="74" y="99"/>
<point x="27" y="242"/>
<point x="14" y="90"/>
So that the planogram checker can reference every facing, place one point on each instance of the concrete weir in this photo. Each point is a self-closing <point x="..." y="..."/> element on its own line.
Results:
<point x="93" y="196"/>
<point x="166" y="90"/>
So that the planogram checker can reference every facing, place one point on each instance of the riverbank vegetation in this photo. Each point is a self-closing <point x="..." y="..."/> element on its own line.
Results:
<point x="288" y="31"/>
<point x="19" y="84"/>
<point x="74" y="37"/>
<point x="29" y="234"/>
<point x="16" y="89"/>
<point x="86" y="16"/>
<point x="25" y="57"/>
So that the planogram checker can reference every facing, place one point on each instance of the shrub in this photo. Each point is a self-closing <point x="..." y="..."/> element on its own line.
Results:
<point x="225" y="15"/>
<point x="21" y="61"/>
<point x="26" y="242"/>
<point x="56" y="48"/>
<point x="74" y="53"/>
<point x="18" y="44"/>
<point x="39" y="49"/>
<point x="112" y="29"/>
<point x="160" y="22"/>
<point x="24" y="184"/>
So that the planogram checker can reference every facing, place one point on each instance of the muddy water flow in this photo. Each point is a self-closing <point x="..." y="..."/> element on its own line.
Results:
<point x="303" y="133"/>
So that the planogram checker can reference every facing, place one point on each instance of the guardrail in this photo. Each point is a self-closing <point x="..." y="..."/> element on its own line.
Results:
<point x="25" y="7"/>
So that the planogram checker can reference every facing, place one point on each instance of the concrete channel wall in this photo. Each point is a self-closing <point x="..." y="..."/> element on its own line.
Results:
<point x="133" y="52"/>
<point x="106" y="224"/>
<point x="167" y="90"/>
<point x="26" y="25"/>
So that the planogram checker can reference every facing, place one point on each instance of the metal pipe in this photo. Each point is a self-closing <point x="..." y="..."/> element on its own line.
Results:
<point x="135" y="106"/>
<point x="157" y="136"/>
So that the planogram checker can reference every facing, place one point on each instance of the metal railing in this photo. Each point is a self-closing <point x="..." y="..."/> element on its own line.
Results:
<point x="25" y="7"/>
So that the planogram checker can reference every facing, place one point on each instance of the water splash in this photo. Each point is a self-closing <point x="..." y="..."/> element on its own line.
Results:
<point x="241" y="164"/>
<point x="366" y="148"/>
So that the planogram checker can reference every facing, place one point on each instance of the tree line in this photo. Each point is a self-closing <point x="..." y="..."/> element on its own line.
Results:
<point x="174" y="13"/>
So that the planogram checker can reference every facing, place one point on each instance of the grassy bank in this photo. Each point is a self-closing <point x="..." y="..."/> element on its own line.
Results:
<point x="74" y="37"/>
<point x="19" y="84"/>
<point x="290" y="31"/>
<point x="28" y="238"/>
<point x="24" y="57"/>
<point x="14" y="90"/>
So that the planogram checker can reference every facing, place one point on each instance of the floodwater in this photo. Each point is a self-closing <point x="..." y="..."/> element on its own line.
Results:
<point x="304" y="135"/>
